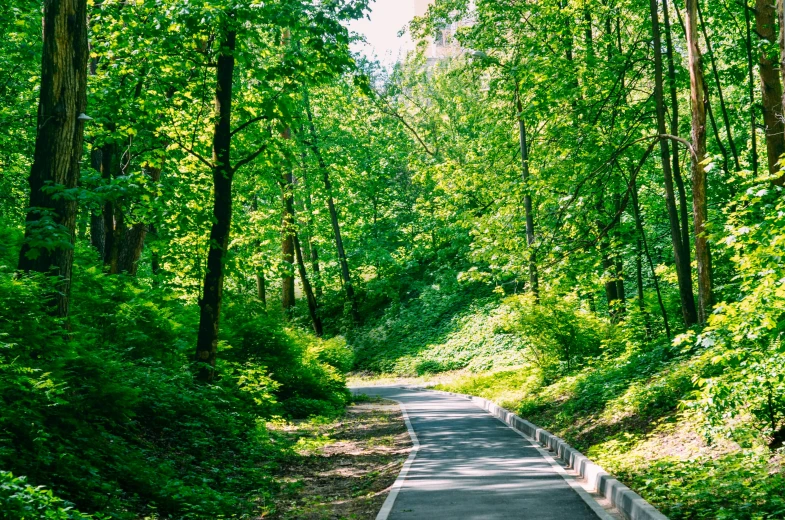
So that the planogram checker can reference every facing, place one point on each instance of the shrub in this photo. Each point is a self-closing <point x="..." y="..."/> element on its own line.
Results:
<point x="106" y="412"/>
<point x="21" y="501"/>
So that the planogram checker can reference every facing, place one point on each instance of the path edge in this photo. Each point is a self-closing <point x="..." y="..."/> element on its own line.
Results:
<point x="389" y="502"/>
<point x="628" y="502"/>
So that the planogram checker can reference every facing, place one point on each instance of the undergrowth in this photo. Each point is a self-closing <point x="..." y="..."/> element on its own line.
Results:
<point x="633" y="403"/>
<point x="101" y="410"/>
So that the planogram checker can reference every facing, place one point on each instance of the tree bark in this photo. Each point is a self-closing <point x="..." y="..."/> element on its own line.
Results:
<point x="313" y="251"/>
<point x="58" y="144"/>
<point x="771" y="88"/>
<point x="620" y="292"/>
<point x="534" y="282"/>
<point x="639" y="225"/>
<point x="133" y="238"/>
<point x="97" y="229"/>
<point x="720" y="96"/>
<point x="699" y="203"/>
<point x="345" y="273"/>
<point x="781" y="42"/>
<point x="261" y="287"/>
<point x="313" y="307"/>
<point x="751" y="91"/>
<point x="210" y="303"/>
<point x="287" y="240"/>
<point x="681" y="256"/>
<point x="684" y="212"/>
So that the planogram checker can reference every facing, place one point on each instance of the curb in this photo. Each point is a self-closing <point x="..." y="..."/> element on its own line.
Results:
<point x="631" y="504"/>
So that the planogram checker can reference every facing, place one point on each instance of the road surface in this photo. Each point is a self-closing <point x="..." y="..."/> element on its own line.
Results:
<point x="469" y="465"/>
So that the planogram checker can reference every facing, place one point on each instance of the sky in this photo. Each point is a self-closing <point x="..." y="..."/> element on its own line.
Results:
<point x="388" y="17"/>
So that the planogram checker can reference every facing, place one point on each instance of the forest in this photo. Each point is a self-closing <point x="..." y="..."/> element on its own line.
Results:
<point x="215" y="214"/>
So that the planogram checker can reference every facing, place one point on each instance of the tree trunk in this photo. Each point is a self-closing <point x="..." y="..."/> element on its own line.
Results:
<point x="287" y="240"/>
<point x="345" y="273"/>
<point x="681" y="256"/>
<point x="751" y="91"/>
<point x="699" y="204"/>
<point x="155" y="261"/>
<point x="313" y="307"/>
<point x="684" y="212"/>
<point x="639" y="225"/>
<point x="720" y="96"/>
<point x="620" y="280"/>
<point x="781" y="41"/>
<point x="58" y="144"/>
<point x="609" y="268"/>
<point x="261" y="287"/>
<point x="313" y="251"/>
<point x="97" y="229"/>
<point x="210" y="303"/>
<point x="108" y="153"/>
<point x="130" y="249"/>
<point x="771" y="88"/>
<point x="639" y="283"/>
<point x="534" y="282"/>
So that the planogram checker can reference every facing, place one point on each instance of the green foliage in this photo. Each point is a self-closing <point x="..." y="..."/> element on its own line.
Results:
<point x="743" y="397"/>
<point x="742" y="487"/>
<point x="109" y="416"/>
<point x="22" y="501"/>
<point x="308" y="373"/>
<point x="446" y="326"/>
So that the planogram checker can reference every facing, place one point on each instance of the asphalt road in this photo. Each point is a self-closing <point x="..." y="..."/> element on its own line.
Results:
<point x="469" y="465"/>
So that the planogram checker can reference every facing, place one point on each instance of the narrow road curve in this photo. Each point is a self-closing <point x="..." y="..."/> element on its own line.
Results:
<point x="469" y="465"/>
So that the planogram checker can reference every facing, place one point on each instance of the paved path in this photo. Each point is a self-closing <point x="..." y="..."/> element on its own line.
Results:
<point x="470" y="465"/>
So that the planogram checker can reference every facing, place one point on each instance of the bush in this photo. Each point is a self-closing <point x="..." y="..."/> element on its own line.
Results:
<point x="106" y="412"/>
<point x="305" y="369"/>
<point x="21" y="501"/>
<point x="559" y="334"/>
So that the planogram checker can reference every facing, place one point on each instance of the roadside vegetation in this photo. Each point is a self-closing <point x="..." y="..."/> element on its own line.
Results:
<point x="210" y="212"/>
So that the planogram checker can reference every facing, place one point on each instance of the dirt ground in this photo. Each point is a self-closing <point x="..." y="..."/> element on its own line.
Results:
<point x="347" y="466"/>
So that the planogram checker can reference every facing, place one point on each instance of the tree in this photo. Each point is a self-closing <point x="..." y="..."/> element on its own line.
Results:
<point x="679" y="238"/>
<point x="771" y="87"/>
<point x="51" y="219"/>
<point x="698" y="151"/>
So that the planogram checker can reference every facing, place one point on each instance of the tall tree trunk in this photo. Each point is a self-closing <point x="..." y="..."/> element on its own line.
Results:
<point x="287" y="240"/>
<point x="210" y="304"/>
<point x="781" y="41"/>
<point x="261" y="287"/>
<point x="58" y="144"/>
<point x="534" y="282"/>
<point x="620" y="292"/>
<point x="684" y="212"/>
<point x="97" y="230"/>
<point x="312" y="249"/>
<point x="313" y="307"/>
<point x="609" y="268"/>
<point x="130" y="249"/>
<point x="108" y="154"/>
<point x="642" y="233"/>
<point x="751" y="91"/>
<point x="345" y="273"/>
<point x="681" y="256"/>
<point x="639" y="284"/>
<point x="699" y="203"/>
<point x="155" y="261"/>
<point x="720" y="96"/>
<point x="771" y="87"/>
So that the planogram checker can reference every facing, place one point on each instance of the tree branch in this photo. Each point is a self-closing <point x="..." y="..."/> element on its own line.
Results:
<point x="249" y="158"/>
